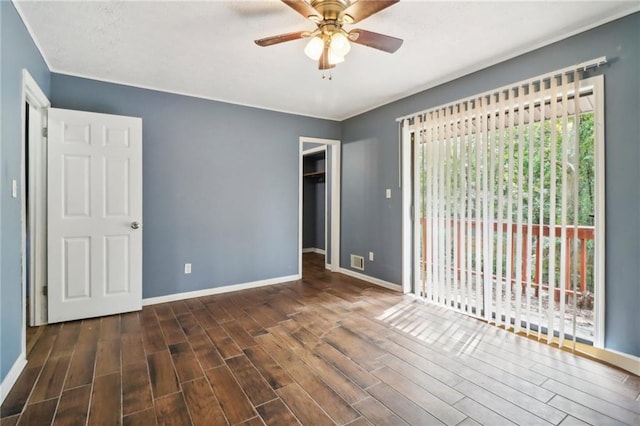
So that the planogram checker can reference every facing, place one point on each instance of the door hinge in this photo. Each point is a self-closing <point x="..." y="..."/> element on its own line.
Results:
<point x="45" y="290"/>
<point x="45" y="132"/>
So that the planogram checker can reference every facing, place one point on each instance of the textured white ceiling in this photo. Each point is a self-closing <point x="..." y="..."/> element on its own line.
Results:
<point x="206" y="49"/>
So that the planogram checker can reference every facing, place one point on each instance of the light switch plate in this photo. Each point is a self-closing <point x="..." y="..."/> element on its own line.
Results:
<point x="187" y="268"/>
<point x="388" y="193"/>
<point x="14" y="188"/>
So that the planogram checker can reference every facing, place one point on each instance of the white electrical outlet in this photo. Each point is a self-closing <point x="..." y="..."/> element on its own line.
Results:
<point x="14" y="188"/>
<point x="187" y="268"/>
<point x="371" y="256"/>
<point x="388" y="193"/>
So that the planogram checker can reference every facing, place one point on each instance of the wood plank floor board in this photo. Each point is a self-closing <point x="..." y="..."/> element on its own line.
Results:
<point x="239" y="334"/>
<point x="152" y="336"/>
<point x="328" y="399"/>
<point x="108" y="357"/>
<point x="204" y="350"/>
<point x="275" y="375"/>
<point x="40" y="352"/>
<point x="73" y="408"/>
<point x="303" y="406"/>
<point x="327" y="349"/>
<point x="572" y="421"/>
<point x="172" y="331"/>
<point x="250" y="325"/>
<point x="377" y="413"/>
<point x="10" y="421"/>
<point x="615" y="411"/>
<point x="130" y="323"/>
<point x="132" y="348"/>
<point x="189" y="324"/>
<point x="581" y="412"/>
<point x="141" y="418"/>
<point x="480" y="413"/>
<point x="424" y="399"/>
<point x="223" y="343"/>
<point x="235" y="404"/>
<point x="426" y="364"/>
<point x="350" y="369"/>
<point x="185" y="362"/>
<point x="578" y="382"/>
<point x="66" y="340"/>
<point x="109" y="327"/>
<point x="250" y="380"/>
<point x="136" y="388"/>
<point x="163" y="312"/>
<point x="446" y="393"/>
<point x="162" y="374"/>
<point x="202" y="403"/>
<point x="218" y="312"/>
<point x="204" y="318"/>
<point x="501" y="406"/>
<point x="51" y="380"/>
<point x="355" y="347"/>
<point x="402" y="406"/>
<point x="40" y="413"/>
<point x="106" y="407"/>
<point x="171" y="410"/>
<point x="179" y="307"/>
<point x="461" y="365"/>
<point x="19" y="394"/>
<point x="275" y="413"/>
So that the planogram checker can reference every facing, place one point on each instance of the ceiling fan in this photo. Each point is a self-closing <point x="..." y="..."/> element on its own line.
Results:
<point x="330" y="42"/>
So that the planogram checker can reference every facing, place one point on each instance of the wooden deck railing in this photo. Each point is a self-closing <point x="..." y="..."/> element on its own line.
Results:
<point x="584" y="234"/>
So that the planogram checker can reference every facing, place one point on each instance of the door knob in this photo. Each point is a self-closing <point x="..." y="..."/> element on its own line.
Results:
<point x="135" y="225"/>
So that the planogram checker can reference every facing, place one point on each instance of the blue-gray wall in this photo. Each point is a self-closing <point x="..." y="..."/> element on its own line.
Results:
<point x="220" y="183"/>
<point x="17" y="51"/>
<point x="370" y="222"/>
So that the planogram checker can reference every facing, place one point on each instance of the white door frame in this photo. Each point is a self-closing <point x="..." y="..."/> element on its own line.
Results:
<point x="34" y="96"/>
<point x="334" y="263"/>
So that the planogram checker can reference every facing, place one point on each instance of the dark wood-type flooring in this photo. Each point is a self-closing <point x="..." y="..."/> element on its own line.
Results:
<point x="328" y="349"/>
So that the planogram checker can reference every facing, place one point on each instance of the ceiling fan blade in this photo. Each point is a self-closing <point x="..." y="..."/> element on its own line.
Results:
<point x="377" y="41"/>
<point x="281" y="38"/>
<point x="303" y="8"/>
<point x="323" y="62"/>
<point x="363" y="9"/>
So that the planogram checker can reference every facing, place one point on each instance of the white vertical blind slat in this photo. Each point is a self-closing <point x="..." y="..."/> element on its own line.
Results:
<point x="552" y="211"/>
<point x="530" y="199"/>
<point x="500" y="213"/>
<point x="519" y="210"/>
<point x="563" y="211"/>
<point x="509" y="216"/>
<point x="576" y="200"/>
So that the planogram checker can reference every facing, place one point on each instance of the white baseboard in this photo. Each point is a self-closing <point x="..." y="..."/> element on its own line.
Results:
<point x="218" y="290"/>
<point x="619" y="359"/>
<point x="12" y="376"/>
<point x="313" y="250"/>
<point x="372" y="280"/>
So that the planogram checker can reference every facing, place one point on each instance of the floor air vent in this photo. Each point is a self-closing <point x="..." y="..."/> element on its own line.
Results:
<point x="357" y="262"/>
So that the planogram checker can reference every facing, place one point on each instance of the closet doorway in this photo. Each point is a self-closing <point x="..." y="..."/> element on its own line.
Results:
<point x="319" y="201"/>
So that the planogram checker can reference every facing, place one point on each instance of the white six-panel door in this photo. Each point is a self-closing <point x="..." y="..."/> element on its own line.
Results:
<point x="94" y="214"/>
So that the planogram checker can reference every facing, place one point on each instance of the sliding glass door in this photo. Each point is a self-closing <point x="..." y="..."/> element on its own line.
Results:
<point x="507" y="187"/>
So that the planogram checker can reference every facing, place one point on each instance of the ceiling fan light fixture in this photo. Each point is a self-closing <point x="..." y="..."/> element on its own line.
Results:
<point x="314" y="48"/>
<point x="335" y="59"/>
<point x="340" y="44"/>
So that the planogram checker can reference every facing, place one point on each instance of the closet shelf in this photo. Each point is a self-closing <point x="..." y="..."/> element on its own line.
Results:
<point x="319" y="174"/>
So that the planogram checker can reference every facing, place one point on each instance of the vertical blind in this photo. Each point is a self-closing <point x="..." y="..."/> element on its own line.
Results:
<point x="497" y="193"/>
